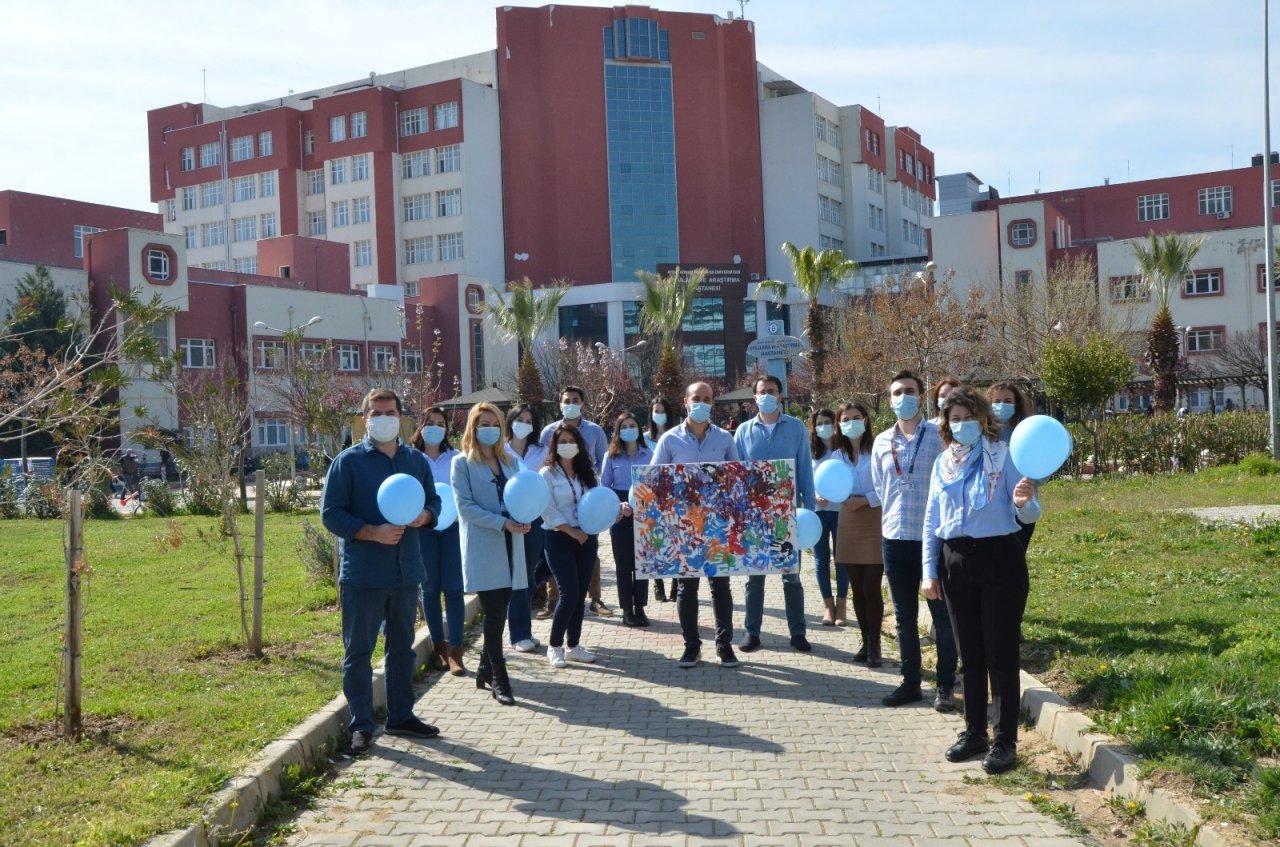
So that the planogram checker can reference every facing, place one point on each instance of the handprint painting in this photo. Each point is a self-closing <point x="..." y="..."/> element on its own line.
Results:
<point x="715" y="519"/>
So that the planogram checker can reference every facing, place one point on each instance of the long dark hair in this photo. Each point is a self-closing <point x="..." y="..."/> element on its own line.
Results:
<point x="868" y="438"/>
<point x="582" y="468"/>
<point x="516" y="412"/>
<point x="616" y="445"/>
<point x="838" y="439"/>
<point x="1021" y="402"/>
<point x="671" y="412"/>
<point x="421" y="443"/>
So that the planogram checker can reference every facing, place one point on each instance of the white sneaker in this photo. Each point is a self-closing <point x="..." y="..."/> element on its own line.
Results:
<point x="528" y="645"/>
<point x="580" y="654"/>
<point x="555" y="655"/>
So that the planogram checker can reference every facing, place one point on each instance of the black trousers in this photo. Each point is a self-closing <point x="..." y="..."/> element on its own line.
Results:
<point x="985" y="584"/>
<point x="632" y="593"/>
<point x="494" y="605"/>
<point x="721" y="608"/>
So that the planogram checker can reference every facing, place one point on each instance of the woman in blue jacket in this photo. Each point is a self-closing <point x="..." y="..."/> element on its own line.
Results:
<point x="442" y="551"/>
<point x="626" y="452"/>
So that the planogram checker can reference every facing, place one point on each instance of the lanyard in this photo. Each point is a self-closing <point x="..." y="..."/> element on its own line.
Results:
<point x="893" y="448"/>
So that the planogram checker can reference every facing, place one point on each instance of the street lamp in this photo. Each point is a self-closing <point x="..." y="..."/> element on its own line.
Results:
<point x="290" y="336"/>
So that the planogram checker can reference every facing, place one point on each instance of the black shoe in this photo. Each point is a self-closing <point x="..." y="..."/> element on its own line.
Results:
<point x="691" y="657"/>
<point x="861" y="656"/>
<point x="750" y="644"/>
<point x="902" y="695"/>
<point x="727" y="657"/>
<point x="413" y="728"/>
<point x="968" y="745"/>
<point x="641" y="618"/>
<point x="1003" y="757"/>
<point x="660" y="591"/>
<point x="629" y="619"/>
<point x="360" y="743"/>
<point x="945" y="699"/>
<point x="502" y="685"/>
<point x="801" y="643"/>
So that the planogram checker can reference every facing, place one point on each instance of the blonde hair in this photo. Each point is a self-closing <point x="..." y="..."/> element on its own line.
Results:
<point x="471" y="444"/>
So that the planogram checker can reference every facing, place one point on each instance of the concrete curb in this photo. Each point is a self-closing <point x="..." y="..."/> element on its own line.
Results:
<point x="235" y="809"/>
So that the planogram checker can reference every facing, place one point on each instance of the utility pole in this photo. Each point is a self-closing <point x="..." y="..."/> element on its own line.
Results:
<point x="1268" y="239"/>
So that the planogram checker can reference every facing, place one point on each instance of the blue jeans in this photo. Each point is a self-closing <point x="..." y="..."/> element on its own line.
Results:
<point x="363" y="611"/>
<point x="520" y="607"/>
<point x="902" y="566"/>
<point x="572" y="565"/>
<point x="822" y="559"/>
<point x="442" y="559"/>
<point x="792" y="595"/>
<point x="633" y="594"/>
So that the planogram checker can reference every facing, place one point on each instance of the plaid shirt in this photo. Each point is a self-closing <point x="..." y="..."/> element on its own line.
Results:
<point x="903" y="496"/>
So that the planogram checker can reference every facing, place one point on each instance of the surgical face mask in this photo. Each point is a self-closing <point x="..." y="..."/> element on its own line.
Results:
<point x="433" y="435"/>
<point x="384" y="427"/>
<point x="766" y="403"/>
<point x="660" y="418"/>
<point x="853" y="429"/>
<point x="520" y="429"/>
<point x="629" y="434"/>
<point x="566" y="451"/>
<point x="488" y="435"/>
<point x="905" y="406"/>
<point x="571" y="410"/>
<point x="941" y="401"/>
<point x="825" y="431"/>
<point x="1002" y="411"/>
<point x="965" y="433"/>
<point x="700" y="412"/>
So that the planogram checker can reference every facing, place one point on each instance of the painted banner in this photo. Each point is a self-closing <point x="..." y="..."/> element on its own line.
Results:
<point x="715" y="519"/>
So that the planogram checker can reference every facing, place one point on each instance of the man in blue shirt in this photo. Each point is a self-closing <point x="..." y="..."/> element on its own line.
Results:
<point x="381" y="568"/>
<point x="773" y="435"/>
<point x="694" y="440"/>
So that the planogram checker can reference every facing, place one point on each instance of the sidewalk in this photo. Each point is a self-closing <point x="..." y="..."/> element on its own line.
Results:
<point x="788" y="749"/>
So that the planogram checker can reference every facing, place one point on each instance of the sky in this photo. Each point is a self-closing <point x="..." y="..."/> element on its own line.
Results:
<point x="1025" y="94"/>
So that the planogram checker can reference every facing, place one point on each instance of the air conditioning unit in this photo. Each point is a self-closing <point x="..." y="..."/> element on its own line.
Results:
<point x="1222" y="216"/>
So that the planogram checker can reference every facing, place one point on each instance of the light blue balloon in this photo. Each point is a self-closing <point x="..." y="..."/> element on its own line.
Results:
<point x="526" y="496"/>
<point x="401" y="498"/>
<point x="597" y="510"/>
<point x="1039" y="446"/>
<point x="833" y="481"/>
<point x="448" y="506"/>
<point x="808" y="527"/>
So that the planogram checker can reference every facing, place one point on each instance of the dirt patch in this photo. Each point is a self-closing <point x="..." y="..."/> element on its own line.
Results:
<point x="95" y="728"/>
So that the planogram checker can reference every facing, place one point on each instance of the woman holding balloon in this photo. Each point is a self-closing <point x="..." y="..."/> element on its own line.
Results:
<point x="1010" y="406"/>
<point x="442" y="550"/>
<point x="625" y="452"/>
<point x="522" y="422"/>
<point x="492" y="556"/>
<point x="858" y="547"/>
<point x="828" y="445"/>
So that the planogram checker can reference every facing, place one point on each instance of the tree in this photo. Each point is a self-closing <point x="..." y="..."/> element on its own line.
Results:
<point x="521" y="316"/>
<point x="1244" y="356"/>
<point x="1083" y="377"/>
<point x="37" y="319"/>
<point x="598" y="369"/>
<point x="664" y="304"/>
<point x="814" y="274"/>
<point x="1164" y="261"/>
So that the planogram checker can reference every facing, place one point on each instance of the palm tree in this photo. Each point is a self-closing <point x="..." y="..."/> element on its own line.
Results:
<point x="1164" y="261"/>
<point x="521" y="316"/>
<point x="666" y="301"/>
<point x="813" y="273"/>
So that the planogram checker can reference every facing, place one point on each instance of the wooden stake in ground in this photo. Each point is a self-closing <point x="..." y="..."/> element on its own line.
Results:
<point x="71" y="716"/>
<point x="259" y="507"/>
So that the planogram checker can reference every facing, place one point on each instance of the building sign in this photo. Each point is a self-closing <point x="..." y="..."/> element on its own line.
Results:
<point x="729" y="281"/>
<point x="777" y="347"/>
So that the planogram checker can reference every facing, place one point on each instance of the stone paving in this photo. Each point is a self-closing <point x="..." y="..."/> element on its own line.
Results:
<point x="788" y="749"/>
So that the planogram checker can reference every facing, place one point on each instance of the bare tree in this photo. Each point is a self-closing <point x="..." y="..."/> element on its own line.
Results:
<point x="600" y="370"/>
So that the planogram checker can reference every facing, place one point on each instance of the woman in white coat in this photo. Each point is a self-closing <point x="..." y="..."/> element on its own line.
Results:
<point x="492" y="565"/>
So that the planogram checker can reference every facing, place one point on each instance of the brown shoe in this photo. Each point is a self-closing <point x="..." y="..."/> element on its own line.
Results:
<point x="544" y="613"/>
<point x="829" y="612"/>
<point x="601" y="609"/>
<point x="440" y="657"/>
<point x="456" y="667"/>
<point x="842" y="612"/>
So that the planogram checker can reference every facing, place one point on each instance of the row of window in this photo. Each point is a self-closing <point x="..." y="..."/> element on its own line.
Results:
<point x="871" y="139"/>
<point x="214" y="233"/>
<point x="829" y="170"/>
<point x="202" y="353"/>
<point x="210" y="154"/>
<point x="447" y="247"/>
<point x="1199" y="283"/>
<point x="825" y="130"/>
<point x="448" y="159"/>
<point x="875" y="217"/>
<point x="214" y="193"/>
<point x="1217" y="200"/>
<point x="417" y="207"/>
<point x="415" y="121"/>
<point x="826" y="242"/>
<point x="915" y="167"/>
<point x="830" y="210"/>
<point x="875" y="180"/>
<point x="341" y="127"/>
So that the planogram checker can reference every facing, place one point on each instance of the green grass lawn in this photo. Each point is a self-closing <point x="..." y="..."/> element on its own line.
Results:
<point x="172" y="705"/>
<point x="1167" y="627"/>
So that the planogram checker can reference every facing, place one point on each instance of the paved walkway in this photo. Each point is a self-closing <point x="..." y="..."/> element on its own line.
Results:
<point x="788" y="749"/>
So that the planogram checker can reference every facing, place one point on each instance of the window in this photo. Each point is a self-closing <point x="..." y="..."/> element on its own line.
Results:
<point x="264" y="143"/>
<point x="359" y="124"/>
<point x="1204" y="339"/>
<point x="338" y="128"/>
<point x="211" y="194"/>
<point x="348" y="357"/>
<point x="213" y="234"/>
<point x="449" y="159"/>
<point x="415" y="164"/>
<point x="477" y="355"/>
<point x="706" y="315"/>
<point x="1127" y="289"/>
<point x="309" y="143"/>
<point x="411" y="288"/>
<point x="242" y="148"/>
<point x="475" y="299"/>
<point x="244" y="229"/>
<point x="210" y="154"/>
<point x="189" y="234"/>
<point x="704" y="359"/>
<point x="450" y="246"/>
<point x="1022" y="280"/>
<point x="197" y="352"/>
<point x="273" y="433"/>
<point x="312" y="351"/>
<point x="267" y="184"/>
<point x="315" y="181"/>
<point x="1153" y="207"/>
<point x="1262" y="278"/>
<point x="449" y="203"/>
<point x="830" y="210"/>
<point x="360" y="167"/>
<point x="360" y="210"/>
<point x="825" y="130"/>
<point x="219" y="265"/>
<point x="267" y="224"/>
<point x="1022" y="233"/>
<point x="270" y="355"/>
<point x="316" y="223"/>
<point x="1203" y="396"/>
<point x="410" y="361"/>
<point x="1216" y="201"/>
<point x="875" y="217"/>
<point x="417" y="251"/>
<point x="362" y="253"/>
<point x="188" y="198"/>
<point x="243" y="188"/>
<point x="417" y="207"/>
<point x="1203" y="283"/>
<point x="413" y="121"/>
<point x="171" y="210"/>
<point x="245" y="265"/>
<point x="187" y="159"/>
<point x="826" y="242"/>
<point x="446" y="115"/>
<point x="1275" y="193"/>
<point x="381" y="357"/>
<point x="341" y="213"/>
<point x="338" y="171"/>
<point x="158" y="265"/>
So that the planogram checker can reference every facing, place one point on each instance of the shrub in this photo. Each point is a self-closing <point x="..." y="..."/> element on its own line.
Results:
<point x="9" y="506"/>
<point x="43" y="500"/>
<point x="1142" y="444"/>
<point x="159" y="497"/>
<point x="1257" y="464"/>
<point x="282" y="494"/>
<point x="317" y="550"/>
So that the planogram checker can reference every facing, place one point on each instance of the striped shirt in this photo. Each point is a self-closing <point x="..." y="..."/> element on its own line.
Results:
<point x="900" y="472"/>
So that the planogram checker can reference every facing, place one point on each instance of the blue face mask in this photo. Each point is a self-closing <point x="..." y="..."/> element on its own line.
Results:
<point x="1002" y="411"/>
<point x="966" y="433"/>
<point x="853" y="429"/>
<point x="629" y="434"/>
<point x="825" y="430"/>
<point x="700" y="412"/>
<point x="571" y="411"/>
<point x="905" y="406"/>
<point x="433" y="435"/>
<point x="766" y="403"/>
<point x="488" y="435"/>
<point x="660" y="418"/>
<point x="941" y="400"/>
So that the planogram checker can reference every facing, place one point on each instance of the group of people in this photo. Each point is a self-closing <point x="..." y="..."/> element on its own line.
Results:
<point x="936" y="506"/>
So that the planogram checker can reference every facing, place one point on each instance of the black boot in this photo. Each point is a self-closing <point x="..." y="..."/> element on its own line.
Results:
<point x="660" y="591"/>
<point x="484" y="672"/>
<point x="502" y="684"/>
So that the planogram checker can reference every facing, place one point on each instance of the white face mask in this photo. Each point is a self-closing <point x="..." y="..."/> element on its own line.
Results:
<point x="384" y="428"/>
<point x="571" y="410"/>
<point x="566" y="451"/>
<point x="520" y="429"/>
<point x="825" y="430"/>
